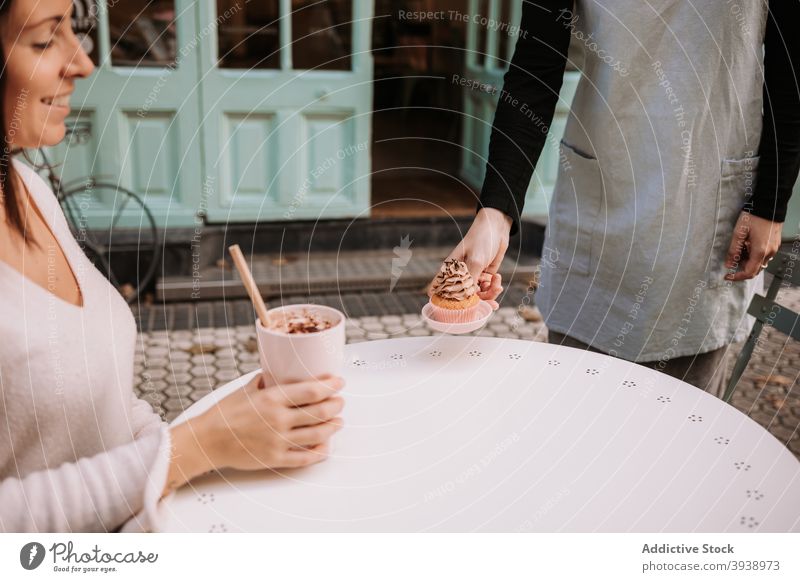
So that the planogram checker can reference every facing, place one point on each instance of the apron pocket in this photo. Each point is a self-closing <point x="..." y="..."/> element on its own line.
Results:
<point x="574" y="209"/>
<point x="737" y="180"/>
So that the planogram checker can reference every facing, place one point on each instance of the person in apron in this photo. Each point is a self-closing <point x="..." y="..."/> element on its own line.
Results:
<point x="658" y="229"/>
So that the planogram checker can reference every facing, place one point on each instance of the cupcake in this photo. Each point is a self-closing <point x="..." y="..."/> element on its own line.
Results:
<point x="454" y="295"/>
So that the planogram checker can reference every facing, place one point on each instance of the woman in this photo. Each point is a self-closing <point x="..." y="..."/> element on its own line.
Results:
<point x="79" y="451"/>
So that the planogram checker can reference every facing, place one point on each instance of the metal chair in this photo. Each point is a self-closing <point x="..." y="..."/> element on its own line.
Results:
<point x="767" y="312"/>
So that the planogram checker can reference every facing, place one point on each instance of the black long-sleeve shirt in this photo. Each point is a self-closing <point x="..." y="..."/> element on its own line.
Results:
<point x="535" y="75"/>
<point x="780" y="136"/>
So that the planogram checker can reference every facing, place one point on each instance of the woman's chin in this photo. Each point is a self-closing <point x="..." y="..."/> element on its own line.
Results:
<point x="52" y="135"/>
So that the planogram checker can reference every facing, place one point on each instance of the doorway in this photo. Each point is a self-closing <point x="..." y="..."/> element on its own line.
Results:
<point x="417" y="110"/>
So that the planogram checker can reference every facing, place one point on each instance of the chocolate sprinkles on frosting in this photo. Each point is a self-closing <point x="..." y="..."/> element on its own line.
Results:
<point x="454" y="281"/>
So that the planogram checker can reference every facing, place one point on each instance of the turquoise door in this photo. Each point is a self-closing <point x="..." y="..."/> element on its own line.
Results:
<point x="134" y="121"/>
<point x="225" y="110"/>
<point x="489" y="51"/>
<point x="286" y="93"/>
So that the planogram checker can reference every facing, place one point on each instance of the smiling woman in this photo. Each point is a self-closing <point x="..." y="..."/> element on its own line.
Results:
<point x="41" y="60"/>
<point x="79" y="451"/>
<point x="36" y="36"/>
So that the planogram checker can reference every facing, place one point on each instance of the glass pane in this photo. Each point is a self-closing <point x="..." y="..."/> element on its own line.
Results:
<point x="248" y="34"/>
<point x="503" y="36"/>
<point x="142" y="33"/>
<point x="84" y="23"/>
<point x="322" y="33"/>
<point x="483" y="14"/>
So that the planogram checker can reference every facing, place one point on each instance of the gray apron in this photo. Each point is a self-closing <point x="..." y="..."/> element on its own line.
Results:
<point x="658" y="155"/>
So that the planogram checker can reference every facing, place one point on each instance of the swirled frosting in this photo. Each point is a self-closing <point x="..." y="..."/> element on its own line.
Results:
<point x="454" y="281"/>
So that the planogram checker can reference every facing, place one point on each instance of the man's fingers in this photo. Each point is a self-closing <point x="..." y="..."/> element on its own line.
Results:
<point x="740" y="241"/>
<point x="484" y="281"/>
<point x="749" y="269"/>
<point x="736" y="251"/>
<point x="494" y="289"/>
<point x="480" y="265"/>
<point x="497" y="283"/>
<point x="494" y="266"/>
<point x="759" y="239"/>
<point x="476" y="267"/>
<point x="732" y="257"/>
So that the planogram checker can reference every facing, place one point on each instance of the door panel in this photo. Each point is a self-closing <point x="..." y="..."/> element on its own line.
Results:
<point x="295" y="153"/>
<point x="329" y="179"/>
<point x="78" y="149"/>
<point x="134" y="121"/>
<point x="248" y="36"/>
<point x="150" y="170"/>
<point x="244" y="168"/>
<point x="235" y="111"/>
<point x="321" y="34"/>
<point x="477" y="126"/>
<point x="540" y="190"/>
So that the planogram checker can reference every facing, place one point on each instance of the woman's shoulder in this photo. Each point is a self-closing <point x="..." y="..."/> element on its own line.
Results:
<point x="40" y="191"/>
<point x="28" y="174"/>
<point x="36" y="185"/>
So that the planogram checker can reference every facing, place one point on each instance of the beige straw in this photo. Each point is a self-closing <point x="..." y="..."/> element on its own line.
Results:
<point x="249" y="283"/>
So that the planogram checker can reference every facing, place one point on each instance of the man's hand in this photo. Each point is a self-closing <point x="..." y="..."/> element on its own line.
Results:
<point x="755" y="242"/>
<point x="483" y="249"/>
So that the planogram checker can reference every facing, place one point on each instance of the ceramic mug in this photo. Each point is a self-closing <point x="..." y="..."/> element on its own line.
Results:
<point x="297" y="357"/>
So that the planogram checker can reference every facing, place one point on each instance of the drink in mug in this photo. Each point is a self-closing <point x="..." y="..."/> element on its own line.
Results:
<point x="301" y="342"/>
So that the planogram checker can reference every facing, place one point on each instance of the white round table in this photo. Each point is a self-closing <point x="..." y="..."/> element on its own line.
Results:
<point x="460" y="434"/>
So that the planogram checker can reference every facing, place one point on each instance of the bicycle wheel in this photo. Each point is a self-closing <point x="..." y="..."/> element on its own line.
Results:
<point x="117" y="232"/>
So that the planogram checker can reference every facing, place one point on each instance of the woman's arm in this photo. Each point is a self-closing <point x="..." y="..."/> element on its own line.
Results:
<point x="189" y="458"/>
<point x="143" y="418"/>
<point x="258" y="428"/>
<point x="252" y="428"/>
<point x="96" y="493"/>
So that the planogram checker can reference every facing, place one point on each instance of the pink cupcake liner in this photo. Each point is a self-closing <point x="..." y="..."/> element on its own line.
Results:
<point x="454" y="315"/>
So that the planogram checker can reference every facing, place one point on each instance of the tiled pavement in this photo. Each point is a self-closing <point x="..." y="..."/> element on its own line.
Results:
<point x="186" y="350"/>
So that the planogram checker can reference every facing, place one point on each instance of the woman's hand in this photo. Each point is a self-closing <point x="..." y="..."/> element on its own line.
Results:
<point x="282" y="426"/>
<point x="483" y="249"/>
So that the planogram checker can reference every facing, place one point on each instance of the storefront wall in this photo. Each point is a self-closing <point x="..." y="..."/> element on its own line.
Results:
<point x="222" y="111"/>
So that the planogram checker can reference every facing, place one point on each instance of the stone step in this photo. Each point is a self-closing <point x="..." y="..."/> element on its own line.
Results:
<point x="278" y="275"/>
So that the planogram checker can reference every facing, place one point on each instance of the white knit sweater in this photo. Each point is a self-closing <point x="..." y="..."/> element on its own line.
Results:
<point x="78" y="450"/>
